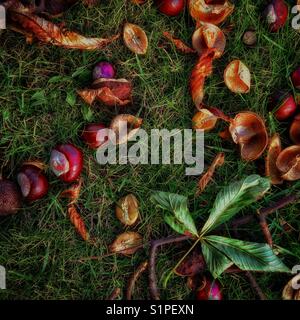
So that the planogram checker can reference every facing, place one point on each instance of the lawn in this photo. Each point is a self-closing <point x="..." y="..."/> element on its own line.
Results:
<point x="38" y="246"/>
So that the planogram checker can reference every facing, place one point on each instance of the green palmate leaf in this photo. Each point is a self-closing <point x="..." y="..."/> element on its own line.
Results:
<point x="216" y="261"/>
<point x="179" y="218"/>
<point x="233" y="198"/>
<point x="248" y="255"/>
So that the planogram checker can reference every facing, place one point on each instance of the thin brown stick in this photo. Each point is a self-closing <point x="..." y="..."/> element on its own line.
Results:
<point x="154" y="291"/>
<point x="263" y="214"/>
<point x="115" y="294"/>
<point x="255" y="286"/>
<point x="131" y="283"/>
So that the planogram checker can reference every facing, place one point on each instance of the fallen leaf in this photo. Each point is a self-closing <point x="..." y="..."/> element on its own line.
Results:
<point x="73" y="192"/>
<point x="49" y="32"/>
<point x="111" y="92"/>
<point x="200" y="72"/>
<point x="180" y="45"/>
<point x="135" y="38"/>
<point x="207" y="177"/>
<point x="78" y="222"/>
<point x="126" y="243"/>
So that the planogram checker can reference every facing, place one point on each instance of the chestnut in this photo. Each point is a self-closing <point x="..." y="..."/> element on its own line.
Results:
<point x="296" y="78"/>
<point x="10" y="198"/>
<point x="105" y="70"/>
<point x="276" y="14"/>
<point x="33" y="183"/>
<point x="94" y="135"/>
<point x="66" y="162"/>
<point x="170" y="7"/>
<point x="285" y="106"/>
<point x="210" y="290"/>
<point x="295" y="130"/>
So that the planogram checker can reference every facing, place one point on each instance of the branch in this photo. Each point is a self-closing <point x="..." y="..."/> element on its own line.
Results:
<point x="255" y="286"/>
<point x="114" y="295"/>
<point x="131" y="283"/>
<point x="154" y="291"/>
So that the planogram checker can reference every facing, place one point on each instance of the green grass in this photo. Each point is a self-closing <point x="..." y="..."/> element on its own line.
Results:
<point x="39" y="246"/>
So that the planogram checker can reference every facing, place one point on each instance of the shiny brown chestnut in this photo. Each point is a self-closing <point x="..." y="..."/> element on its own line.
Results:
<point x="66" y="162"/>
<point x="32" y="181"/>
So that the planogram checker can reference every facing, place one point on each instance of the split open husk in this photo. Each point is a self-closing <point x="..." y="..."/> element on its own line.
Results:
<point x="209" y="36"/>
<point x="135" y="38"/>
<point x="248" y="130"/>
<point x="295" y="130"/>
<point x="204" y="120"/>
<point x="273" y="152"/>
<point x="127" y="210"/>
<point x="288" y="163"/>
<point x="237" y="77"/>
<point x="214" y="12"/>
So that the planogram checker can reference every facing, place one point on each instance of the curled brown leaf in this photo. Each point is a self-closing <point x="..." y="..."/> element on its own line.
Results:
<point x="78" y="222"/>
<point x="49" y="32"/>
<point x="200" y="72"/>
<point x="179" y="44"/>
<point x="207" y="177"/>
<point x="73" y="192"/>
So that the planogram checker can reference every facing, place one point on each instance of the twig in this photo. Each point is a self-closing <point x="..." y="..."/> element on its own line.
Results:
<point x="154" y="291"/>
<point x="114" y="295"/>
<point x="131" y="283"/>
<point x="263" y="214"/>
<point x="256" y="286"/>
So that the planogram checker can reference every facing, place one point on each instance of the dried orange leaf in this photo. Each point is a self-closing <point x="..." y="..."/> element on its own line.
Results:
<point x="125" y="127"/>
<point x="290" y="292"/>
<point x="204" y="120"/>
<point x="127" y="210"/>
<point x="237" y="77"/>
<point x="288" y="163"/>
<point x="49" y="32"/>
<point x="202" y="69"/>
<point x="249" y="131"/>
<point x="219" y="114"/>
<point x="209" y="36"/>
<point x="135" y="38"/>
<point x="180" y="45"/>
<point x="272" y="155"/>
<point x="90" y="3"/>
<point x="126" y="243"/>
<point x="207" y="177"/>
<point x="214" y="12"/>
<point x="138" y="1"/>
<point x="73" y="192"/>
<point x="111" y="92"/>
<point x="78" y="222"/>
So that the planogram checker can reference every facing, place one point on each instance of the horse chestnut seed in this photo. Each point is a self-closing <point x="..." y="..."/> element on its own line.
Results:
<point x="66" y="162"/>
<point x="105" y="70"/>
<point x="210" y="290"/>
<point x="170" y="7"/>
<point x="286" y="107"/>
<point x="94" y="135"/>
<point x="33" y="183"/>
<point x="296" y="78"/>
